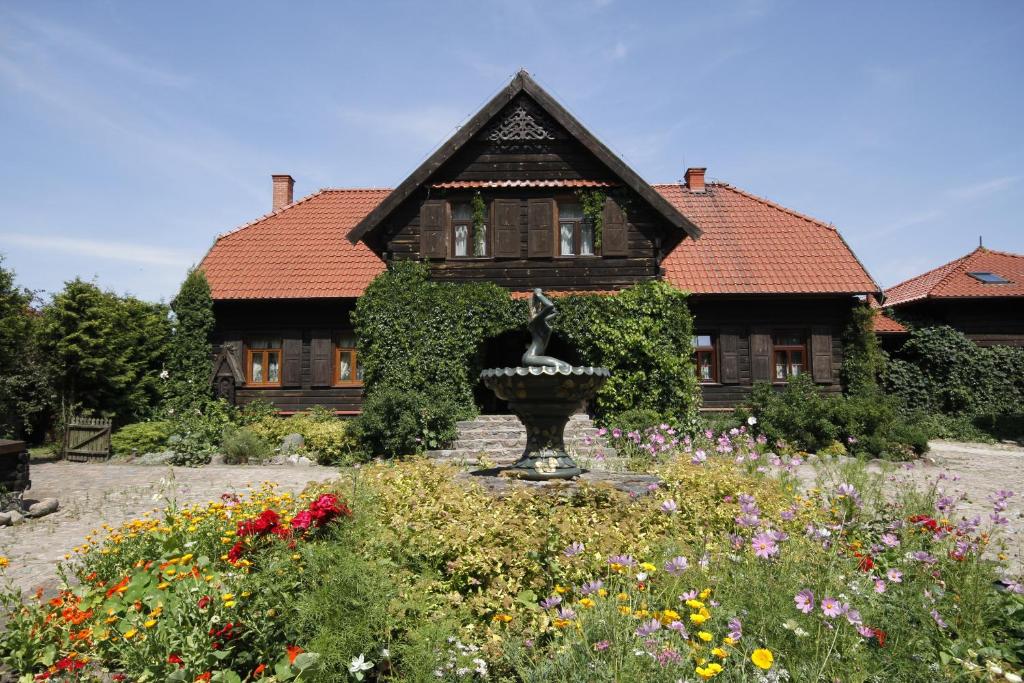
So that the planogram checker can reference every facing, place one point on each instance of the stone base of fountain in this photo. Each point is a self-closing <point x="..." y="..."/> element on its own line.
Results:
<point x="544" y="398"/>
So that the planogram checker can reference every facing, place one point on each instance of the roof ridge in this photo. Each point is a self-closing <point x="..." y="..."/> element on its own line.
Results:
<point x="995" y="251"/>
<point x="267" y="215"/>
<point x="951" y="265"/>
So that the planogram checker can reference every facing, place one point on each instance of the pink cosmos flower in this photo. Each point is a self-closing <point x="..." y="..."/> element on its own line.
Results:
<point x="574" y="549"/>
<point x="669" y="506"/>
<point x="601" y="645"/>
<point x="804" y="601"/>
<point x="879" y="586"/>
<point x="895" y="575"/>
<point x="677" y="565"/>
<point x="698" y="457"/>
<point x="890" y="540"/>
<point x="764" y="546"/>
<point x="831" y="607"/>
<point x="647" y="628"/>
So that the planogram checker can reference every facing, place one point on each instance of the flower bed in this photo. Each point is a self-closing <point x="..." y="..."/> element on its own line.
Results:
<point x="725" y="571"/>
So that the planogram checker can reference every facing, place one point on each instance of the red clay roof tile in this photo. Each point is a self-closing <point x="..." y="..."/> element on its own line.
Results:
<point x="753" y="246"/>
<point x="749" y="246"/>
<point x="951" y="280"/>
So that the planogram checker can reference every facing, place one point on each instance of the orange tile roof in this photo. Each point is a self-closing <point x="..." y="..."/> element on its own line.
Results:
<point x="753" y="246"/>
<point x="297" y="252"/>
<point x="951" y="280"/>
<point x="882" y="323"/>
<point x="749" y="246"/>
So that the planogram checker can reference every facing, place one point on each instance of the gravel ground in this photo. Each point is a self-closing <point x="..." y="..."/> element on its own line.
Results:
<point x="93" y="494"/>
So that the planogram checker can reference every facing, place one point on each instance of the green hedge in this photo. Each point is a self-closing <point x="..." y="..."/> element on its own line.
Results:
<point x="421" y="346"/>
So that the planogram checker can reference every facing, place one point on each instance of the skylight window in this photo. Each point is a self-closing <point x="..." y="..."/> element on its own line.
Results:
<point x="989" y="278"/>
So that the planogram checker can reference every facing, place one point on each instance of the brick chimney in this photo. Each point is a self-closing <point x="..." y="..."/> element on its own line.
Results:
<point x="695" y="179"/>
<point x="283" y="185"/>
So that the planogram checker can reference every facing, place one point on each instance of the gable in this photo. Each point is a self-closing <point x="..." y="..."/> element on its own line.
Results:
<point x="953" y="280"/>
<point x="521" y="134"/>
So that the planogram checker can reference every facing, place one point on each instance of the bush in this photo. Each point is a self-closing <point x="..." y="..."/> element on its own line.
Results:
<point x="142" y="437"/>
<point x="807" y="419"/>
<point x="241" y="445"/>
<point x="397" y="421"/>
<point x="327" y="438"/>
<point x="198" y="431"/>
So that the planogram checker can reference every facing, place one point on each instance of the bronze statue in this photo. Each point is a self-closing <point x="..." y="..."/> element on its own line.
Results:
<point x="542" y="311"/>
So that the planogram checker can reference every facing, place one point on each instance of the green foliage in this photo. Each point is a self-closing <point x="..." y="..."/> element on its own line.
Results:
<point x="479" y="219"/>
<point x="198" y="430"/>
<point x="104" y="352"/>
<point x="242" y="445"/>
<point x="190" y="351"/>
<point x="420" y="339"/>
<point x="809" y="420"/>
<point x="863" y="358"/>
<point x="327" y="439"/>
<point x="142" y="437"/>
<point x="643" y="335"/>
<point x="592" y="203"/>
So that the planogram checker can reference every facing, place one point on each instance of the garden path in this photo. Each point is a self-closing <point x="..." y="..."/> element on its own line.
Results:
<point x="92" y="494"/>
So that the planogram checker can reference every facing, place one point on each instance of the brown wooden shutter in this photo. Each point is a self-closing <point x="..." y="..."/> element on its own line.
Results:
<point x="321" y="358"/>
<point x="728" y="357"/>
<point x="821" y="355"/>
<point x="434" y="228"/>
<point x="761" y="355"/>
<point x="614" y="241"/>
<point x="506" y="228"/>
<point x="291" y="361"/>
<point x="541" y="237"/>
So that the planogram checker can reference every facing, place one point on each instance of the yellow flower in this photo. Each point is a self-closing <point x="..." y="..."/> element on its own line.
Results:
<point x="705" y="636"/>
<point x="227" y="596"/>
<point x="130" y="633"/>
<point x="705" y="594"/>
<point x="709" y="671"/>
<point x="229" y="603"/>
<point x="728" y="641"/>
<point x="670" y="615"/>
<point x="694" y="604"/>
<point x="720" y="653"/>
<point x="562" y="623"/>
<point x="622" y="597"/>
<point x="602" y="592"/>
<point x="648" y="567"/>
<point x="503" y="618"/>
<point x="186" y="557"/>
<point x="698" y="619"/>
<point x="561" y="590"/>
<point x="296" y="556"/>
<point x="4" y="562"/>
<point x="162" y="585"/>
<point x="587" y="602"/>
<point x="624" y="610"/>
<point x="150" y="624"/>
<point x="762" y="658"/>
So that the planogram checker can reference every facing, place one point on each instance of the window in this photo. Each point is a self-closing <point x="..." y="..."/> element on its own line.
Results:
<point x="347" y="369"/>
<point x="989" y="278"/>
<point x="466" y="241"/>
<point x="790" y="353"/>
<point x="704" y="357"/>
<point x="575" y="232"/>
<point x="263" y="363"/>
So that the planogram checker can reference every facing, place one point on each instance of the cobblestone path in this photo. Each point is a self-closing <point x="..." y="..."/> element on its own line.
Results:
<point x="94" y="494"/>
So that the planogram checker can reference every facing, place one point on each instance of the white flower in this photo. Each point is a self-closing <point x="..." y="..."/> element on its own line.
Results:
<point x="751" y="420"/>
<point x="164" y="374"/>
<point x="359" y="664"/>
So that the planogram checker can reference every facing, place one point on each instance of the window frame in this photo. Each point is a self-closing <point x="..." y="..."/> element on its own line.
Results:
<point x="251" y="351"/>
<point x="336" y="350"/>
<point x="470" y="229"/>
<point x="712" y="349"/>
<point x="788" y="349"/>
<point x="577" y="230"/>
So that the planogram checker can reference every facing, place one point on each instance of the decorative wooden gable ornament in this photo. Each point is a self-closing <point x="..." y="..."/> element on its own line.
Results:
<point x="227" y="372"/>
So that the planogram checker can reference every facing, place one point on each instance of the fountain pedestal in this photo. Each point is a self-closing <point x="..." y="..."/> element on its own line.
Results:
<point x="543" y="398"/>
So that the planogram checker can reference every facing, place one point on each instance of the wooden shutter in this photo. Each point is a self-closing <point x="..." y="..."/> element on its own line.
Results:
<point x="821" y="355"/>
<point x="761" y="355"/>
<point x="728" y="357"/>
<point x="613" y="230"/>
<point x="321" y="358"/>
<point x="541" y="237"/>
<point x="434" y="228"/>
<point x="506" y="228"/>
<point x="291" y="361"/>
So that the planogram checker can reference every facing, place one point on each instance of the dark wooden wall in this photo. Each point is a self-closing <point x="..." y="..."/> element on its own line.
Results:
<point x="298" y="322"/>
<point x="743" y="318"/>
<point x="988" y="322"/>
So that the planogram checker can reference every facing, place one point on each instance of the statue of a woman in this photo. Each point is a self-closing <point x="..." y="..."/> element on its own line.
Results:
<point x="542" y="310"/>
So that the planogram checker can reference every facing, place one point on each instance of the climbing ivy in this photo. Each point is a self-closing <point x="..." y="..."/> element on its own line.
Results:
<point x="863" y="359"/>
<point x="592" y="202"/>
<point x="479" y="220"/>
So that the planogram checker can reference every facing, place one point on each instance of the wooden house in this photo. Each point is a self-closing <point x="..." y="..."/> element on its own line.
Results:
<point x="772" y="289"/>
<point x="981" y="294"/>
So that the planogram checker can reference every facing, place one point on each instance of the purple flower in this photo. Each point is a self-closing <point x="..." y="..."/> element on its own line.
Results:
<point x="890" y="540"/>
<point x="804" y="601"/>
<point x="601" y="645"/>
<point x="787" y="515"/>
<point x="779" y="536"/>
<point x="680" y="628"/>
<point x="647" y="628"/>
<point x="895" y="575"/>
<point x="699" y="457"/>
<point x="651" y="488"/>
<point x="551" y="602"/>
<point x="847" y="490"/>
<point x="616" y="433"/>
<point x="748" y="521"/>
<point x="602" y="431"/>
<point x="865" y="632"/>
<point x="677" y="565"/>
<point x="574" y="549"/>
<point x="736" y="541"/>
<point x="669" y="506"/>
<point x="938" y="619"/>
<point x="735" y="628"/>
<point x="624" y="560"/>
<point x="853" y="616"/>
<point x="879" y="586"/>
<point x="566" y="613"/>
<point x="831" y="607"/>
<point x="999" y="519"/>
<point x="1013" y="586"/>
<point x="688" y="595"/>
<point x="764" y="546"/>
<point x="925" y="557"/>
<point x="944" y="503"/>
<point x="591" y="587"/>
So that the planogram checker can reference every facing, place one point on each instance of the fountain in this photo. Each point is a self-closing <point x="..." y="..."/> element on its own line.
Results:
<point x="544" y="392"/>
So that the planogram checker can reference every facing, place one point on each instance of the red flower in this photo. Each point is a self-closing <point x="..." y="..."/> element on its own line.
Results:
<point x="879" y="636"/>
<point x="303" y="520"/>
<point x="204" y="602"/>
<point x="203" y="677"/>
<point x="174" y="659"/>
<point x="293" y="652"/>
<point x="258" y="671"/>
<point x="236" y="551"/>
<point x="120" y="587"/>
<point x="866" y="563"/>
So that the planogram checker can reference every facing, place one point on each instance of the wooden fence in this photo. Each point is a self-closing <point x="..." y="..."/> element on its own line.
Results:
<point x="87" y="439"/>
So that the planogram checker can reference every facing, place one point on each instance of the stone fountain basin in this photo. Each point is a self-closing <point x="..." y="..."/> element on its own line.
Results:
<point x="545" y="384"/>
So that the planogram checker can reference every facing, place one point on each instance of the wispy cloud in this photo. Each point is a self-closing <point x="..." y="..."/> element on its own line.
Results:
<point x="103" y="249"/>
<point x="618" y="51"/>
<point x="983" y="188"/>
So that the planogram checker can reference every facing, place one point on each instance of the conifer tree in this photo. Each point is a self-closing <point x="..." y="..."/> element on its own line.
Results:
<point x="191" y="351"/>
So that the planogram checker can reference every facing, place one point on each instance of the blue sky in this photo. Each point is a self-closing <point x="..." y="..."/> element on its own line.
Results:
<point x="133" y="133"/>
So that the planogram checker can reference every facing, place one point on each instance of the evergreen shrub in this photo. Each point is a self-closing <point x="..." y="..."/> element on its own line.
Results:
<point x="142" y="437"/>
<point x="242" y="445"/>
